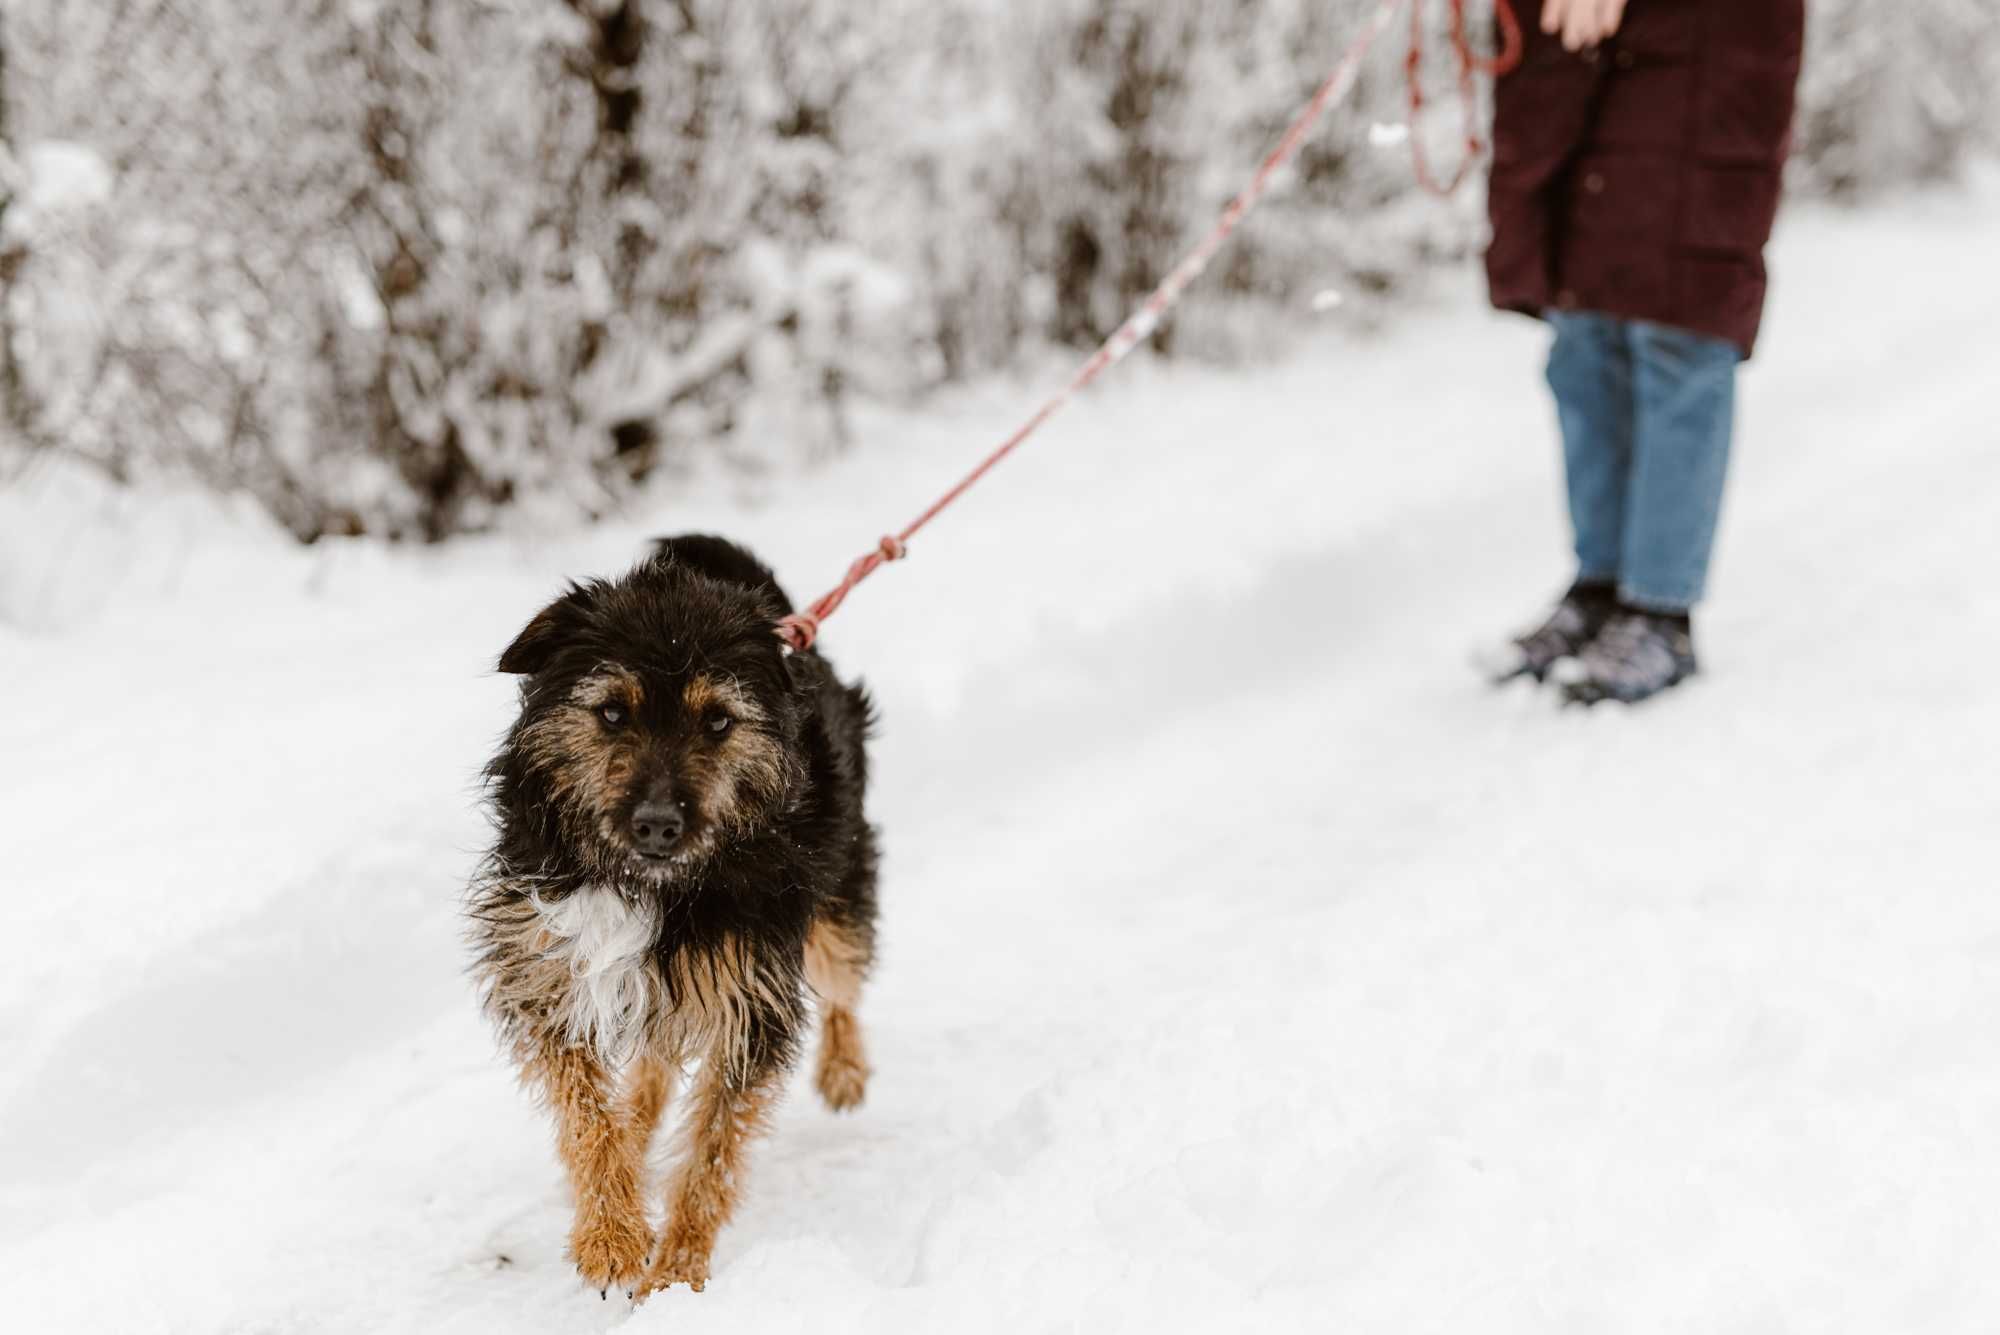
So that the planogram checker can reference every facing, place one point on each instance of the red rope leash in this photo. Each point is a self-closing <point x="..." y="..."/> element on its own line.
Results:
<point x="1470" y="63"/>
<point x="801" y="628"/>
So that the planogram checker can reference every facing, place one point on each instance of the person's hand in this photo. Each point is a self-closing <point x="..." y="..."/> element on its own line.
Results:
<point x="1582" y="23"/>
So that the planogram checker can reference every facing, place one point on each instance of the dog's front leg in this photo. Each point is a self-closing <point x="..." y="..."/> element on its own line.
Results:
<point x="646" y="1090"/>
<point x="605" y="1156"/>
<point x="727" y="1109"/>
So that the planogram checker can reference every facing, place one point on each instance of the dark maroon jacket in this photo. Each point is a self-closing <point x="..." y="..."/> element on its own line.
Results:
<point x="1641" y="179"/>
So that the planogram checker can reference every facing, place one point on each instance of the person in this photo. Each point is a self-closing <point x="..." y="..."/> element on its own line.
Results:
<point x="1638" y="153"/>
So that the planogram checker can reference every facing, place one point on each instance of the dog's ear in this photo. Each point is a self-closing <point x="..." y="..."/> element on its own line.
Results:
<point x="802" y="670"/>
<point x="553" y="627"/>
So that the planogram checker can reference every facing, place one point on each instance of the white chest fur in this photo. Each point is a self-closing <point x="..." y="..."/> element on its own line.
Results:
<point x="606" y="942"/>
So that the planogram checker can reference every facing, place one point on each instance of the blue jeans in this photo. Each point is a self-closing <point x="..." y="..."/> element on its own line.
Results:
<point x="1646" y="416"/>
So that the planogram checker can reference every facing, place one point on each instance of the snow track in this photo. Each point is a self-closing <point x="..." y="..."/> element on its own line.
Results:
<point x="1246" y="963"/>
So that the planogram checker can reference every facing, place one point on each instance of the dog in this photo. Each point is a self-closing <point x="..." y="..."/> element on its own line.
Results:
<point x="681" y="858"/>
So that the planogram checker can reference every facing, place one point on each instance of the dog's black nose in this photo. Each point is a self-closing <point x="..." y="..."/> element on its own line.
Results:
<point x="655" y="828"/>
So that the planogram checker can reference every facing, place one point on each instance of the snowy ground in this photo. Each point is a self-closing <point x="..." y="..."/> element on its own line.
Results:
<point x="1245" y="958"/>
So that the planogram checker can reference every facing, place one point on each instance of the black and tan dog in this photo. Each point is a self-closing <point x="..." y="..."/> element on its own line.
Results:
<point x="682" y="858"/>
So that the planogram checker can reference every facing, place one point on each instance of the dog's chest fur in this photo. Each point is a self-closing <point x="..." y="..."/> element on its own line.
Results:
<point x="604" y="942"/>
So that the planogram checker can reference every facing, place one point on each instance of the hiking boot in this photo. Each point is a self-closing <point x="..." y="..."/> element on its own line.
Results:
<point x="1636" y="656"/>
<point x="1573" y="624"/>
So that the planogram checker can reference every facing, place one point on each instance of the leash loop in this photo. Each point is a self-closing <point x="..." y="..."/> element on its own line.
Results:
<point x="1470" y="63"/>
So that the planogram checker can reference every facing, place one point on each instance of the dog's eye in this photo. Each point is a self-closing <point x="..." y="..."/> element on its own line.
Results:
<point x="719" y="724"/>
<point x="614" y="715"/>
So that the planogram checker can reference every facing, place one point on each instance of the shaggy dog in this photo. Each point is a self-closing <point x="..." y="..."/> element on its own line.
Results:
<point x="681" y="857"/>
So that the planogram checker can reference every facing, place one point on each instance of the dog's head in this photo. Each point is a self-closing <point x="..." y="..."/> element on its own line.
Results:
<point x="660" y="717"/>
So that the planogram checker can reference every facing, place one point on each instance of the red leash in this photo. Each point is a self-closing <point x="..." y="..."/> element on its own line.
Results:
<point x="801" y="628"/>
<point x="1470" y="63"/>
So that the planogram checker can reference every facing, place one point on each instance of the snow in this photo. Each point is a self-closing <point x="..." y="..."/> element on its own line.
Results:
<point x="58" y="181"/>
<point x="1245" y="959"/>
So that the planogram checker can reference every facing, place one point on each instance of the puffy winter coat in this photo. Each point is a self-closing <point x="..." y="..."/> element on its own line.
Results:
<point x="1641" y="179"/>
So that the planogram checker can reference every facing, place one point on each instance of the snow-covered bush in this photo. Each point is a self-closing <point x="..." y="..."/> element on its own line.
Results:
<point x="400" y="266"/>
<point x="1893" y="95"/>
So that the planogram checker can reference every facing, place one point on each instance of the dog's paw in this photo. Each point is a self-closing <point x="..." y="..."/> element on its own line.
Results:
<point x="842" y="1082"/>
<point x="683" y="1259"/>
<point x="610" y="1252"/>
<point x="842" y="1075"/>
